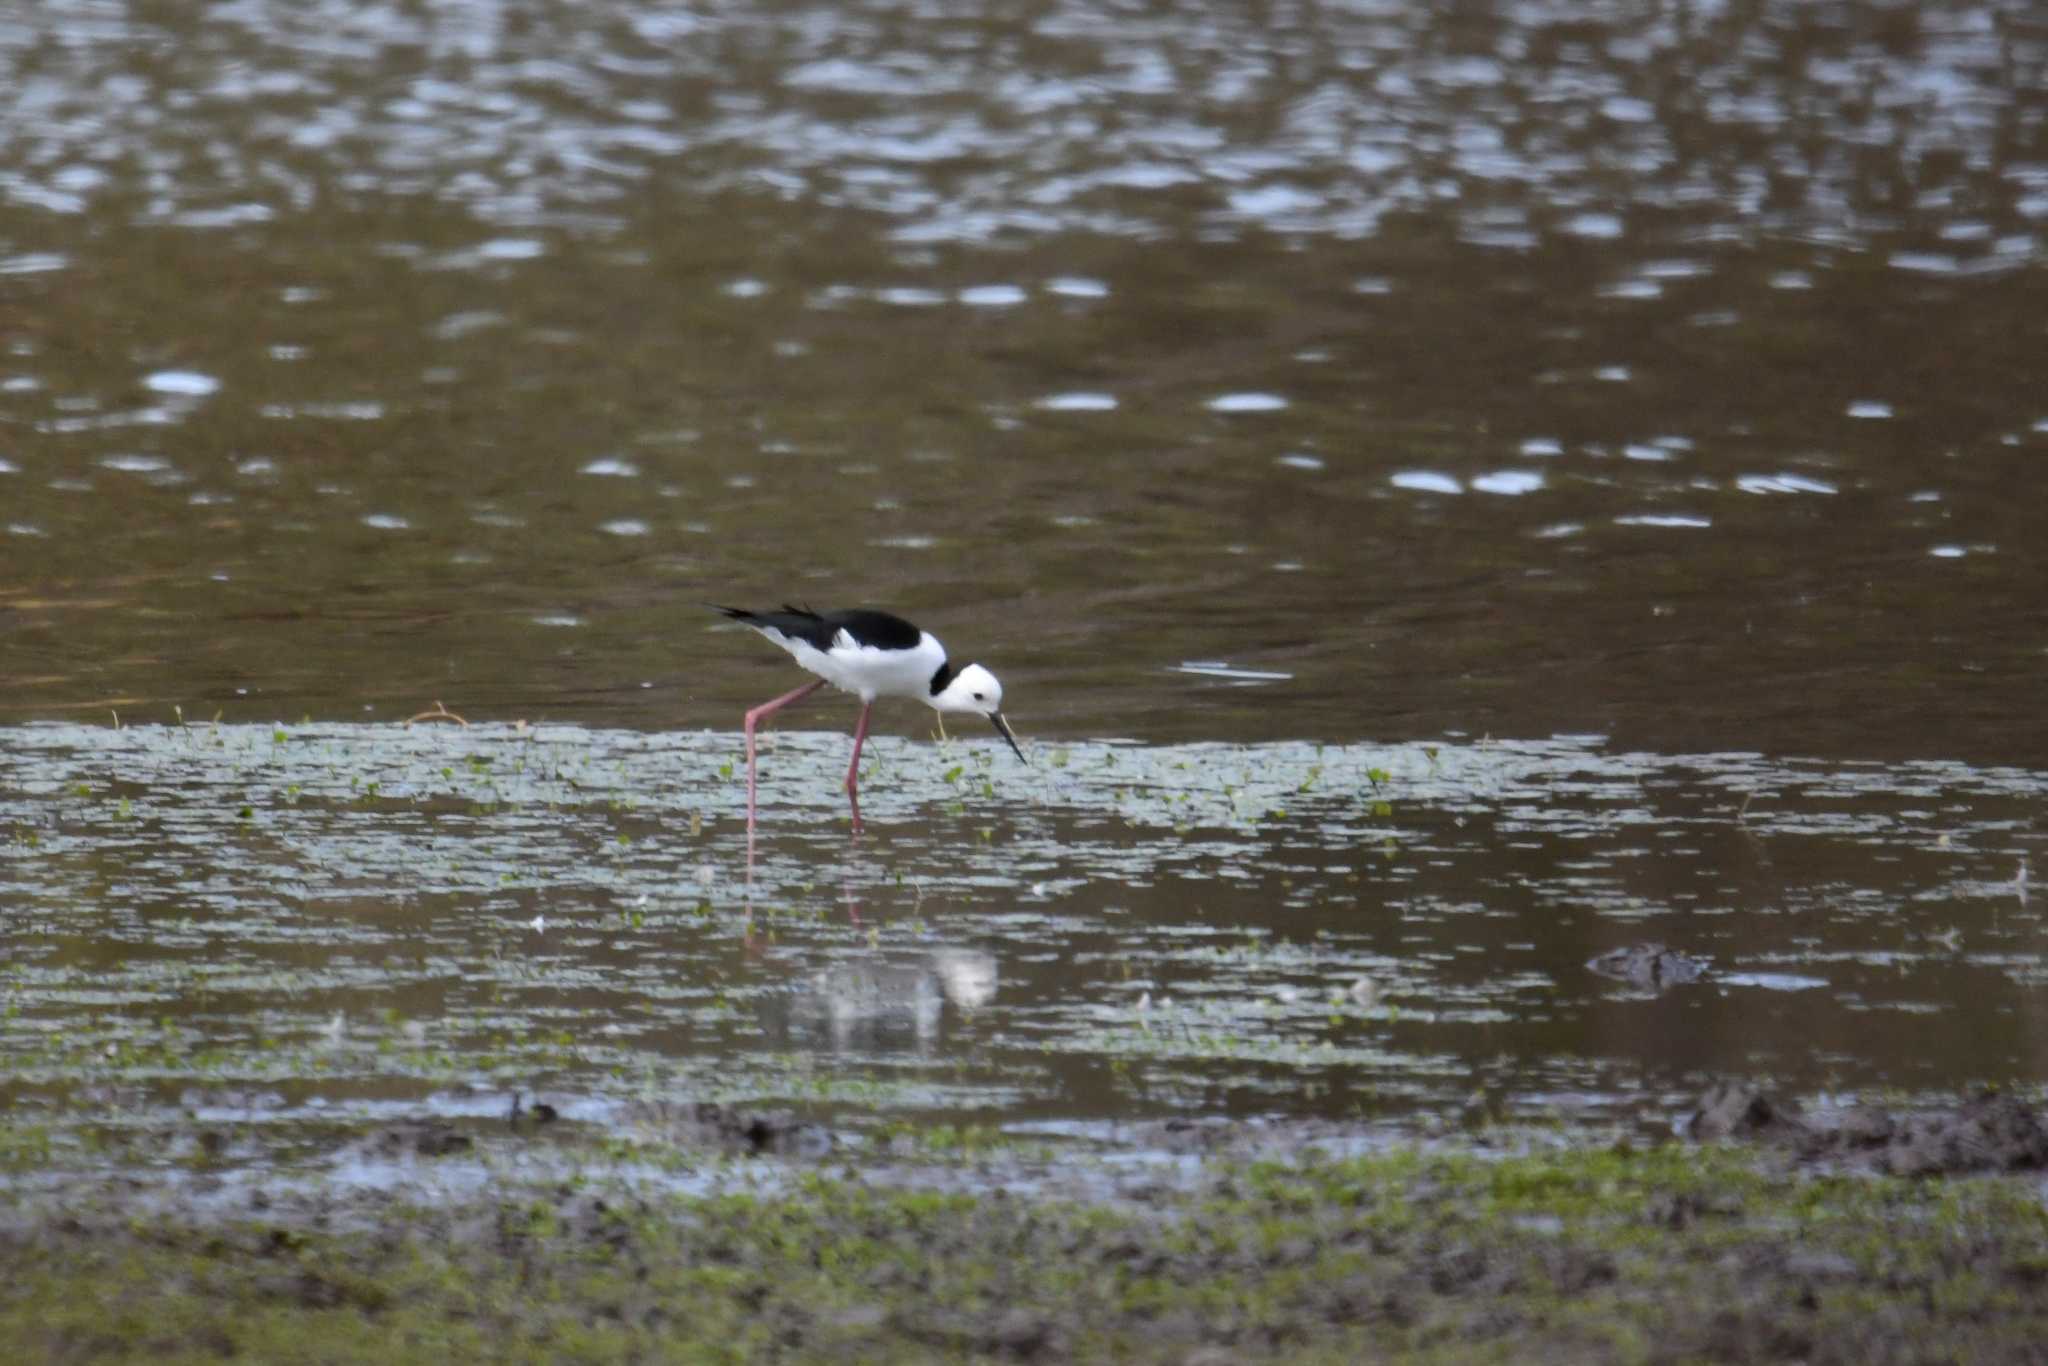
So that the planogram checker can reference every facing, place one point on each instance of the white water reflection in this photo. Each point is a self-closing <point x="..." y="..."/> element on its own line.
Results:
<point x="136" y="464"/>
<point x="1664" y="519"/>
<point x="1509" y="483"/>
<point x="346" y="411"/>
<point x="1783" y="483"/>
<point x="910" y="296"/>
<point x="1078" y="402"/>
<point x="1425" y="481"/>
<point x="1252" y="402"/>
<point x="992" y="296"/>
<point x="33" y="263"/>
<point x="1223" y="669"/>
<point x="186" y="383"/>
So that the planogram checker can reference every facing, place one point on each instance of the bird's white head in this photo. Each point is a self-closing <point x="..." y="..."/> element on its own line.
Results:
<point x="975" y="689"/>
<point x="972" y="689"/>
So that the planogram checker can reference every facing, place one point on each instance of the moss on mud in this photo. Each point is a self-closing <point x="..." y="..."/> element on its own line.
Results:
<point x="1586" y="1254"/>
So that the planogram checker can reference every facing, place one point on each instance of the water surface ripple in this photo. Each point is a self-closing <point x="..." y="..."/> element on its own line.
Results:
<point x="1297" y="117"/>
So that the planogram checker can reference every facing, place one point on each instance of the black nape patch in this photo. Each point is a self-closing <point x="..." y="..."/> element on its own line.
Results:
<point x="942" y="678"/>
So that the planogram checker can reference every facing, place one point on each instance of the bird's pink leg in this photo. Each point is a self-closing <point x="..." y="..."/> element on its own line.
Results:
<point x="760" y="714"/>
<point x="860" y="733"/>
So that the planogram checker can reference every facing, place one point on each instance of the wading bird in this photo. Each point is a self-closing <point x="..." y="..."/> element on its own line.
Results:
<point x="875" y="655"/>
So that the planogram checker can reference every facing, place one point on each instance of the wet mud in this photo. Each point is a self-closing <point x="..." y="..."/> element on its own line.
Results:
<point x="1245" y="1243"/>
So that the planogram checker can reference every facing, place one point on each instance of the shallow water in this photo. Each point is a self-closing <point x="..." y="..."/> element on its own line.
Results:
<point x="1318" y="415"/>
<point x="293" y="928"/>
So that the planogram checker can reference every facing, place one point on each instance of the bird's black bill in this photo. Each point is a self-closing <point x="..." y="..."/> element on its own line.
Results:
<point x="1004" y="727"/>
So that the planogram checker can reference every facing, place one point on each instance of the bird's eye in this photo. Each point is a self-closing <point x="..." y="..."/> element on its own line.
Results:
<point x="978" y="697"/>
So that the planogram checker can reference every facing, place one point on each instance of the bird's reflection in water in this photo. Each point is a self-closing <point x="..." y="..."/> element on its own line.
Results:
<point x="872" y="1002"/>
<point x="877" y="1006"/>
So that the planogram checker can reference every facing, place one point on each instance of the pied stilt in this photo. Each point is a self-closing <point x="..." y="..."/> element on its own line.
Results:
<point x="875" y="655"/>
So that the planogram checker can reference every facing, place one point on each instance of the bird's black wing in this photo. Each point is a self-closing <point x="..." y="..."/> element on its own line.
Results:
<point x="819" y="629"/>
<point x="881" y="630"/>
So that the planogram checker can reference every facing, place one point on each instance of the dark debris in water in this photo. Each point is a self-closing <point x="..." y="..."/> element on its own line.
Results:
<point x="420" y="1138"/>
<point x="1650" y="966"/>
<point x="731" y="1129"/>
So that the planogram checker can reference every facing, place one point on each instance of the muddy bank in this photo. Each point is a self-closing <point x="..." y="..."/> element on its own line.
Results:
<point x="1987" y="1133"/>
<point x="1247" y="1245"/>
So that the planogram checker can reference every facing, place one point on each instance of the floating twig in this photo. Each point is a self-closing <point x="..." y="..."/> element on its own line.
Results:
<point x="438" y="713"/>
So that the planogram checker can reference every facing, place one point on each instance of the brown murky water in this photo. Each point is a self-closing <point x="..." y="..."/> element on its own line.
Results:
<point x="1526" y="480"/>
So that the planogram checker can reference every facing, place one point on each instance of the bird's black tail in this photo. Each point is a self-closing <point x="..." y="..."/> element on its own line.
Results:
<point x="748" y="616"/>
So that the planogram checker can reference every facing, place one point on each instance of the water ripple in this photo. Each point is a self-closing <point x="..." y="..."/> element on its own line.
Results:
<point x="1092" y="118"/>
